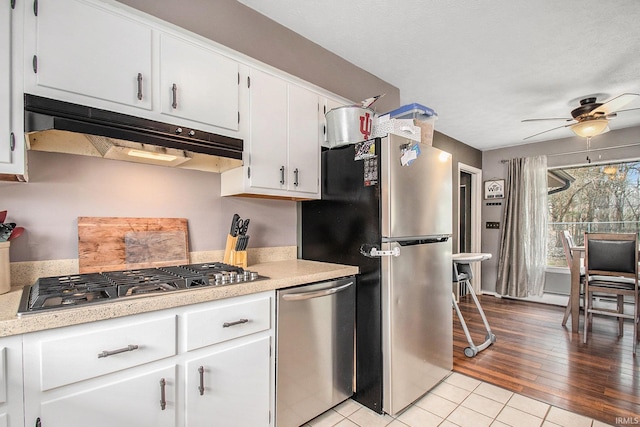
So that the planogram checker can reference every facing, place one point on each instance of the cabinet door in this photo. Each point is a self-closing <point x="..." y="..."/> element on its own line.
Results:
<point x="11" y="387"/>
<point x="304" y="143"/>
<point x="89" y="50"/>
<point x="131" y="402"/>
<point x="5" y="82"/>
<point x="230" y="387"/>
<point x="268" y="140"/>
<point x="197" y="83"/>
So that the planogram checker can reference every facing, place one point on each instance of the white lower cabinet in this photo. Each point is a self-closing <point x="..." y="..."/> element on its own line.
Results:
<point x="199" y="365"/>
<point x="227" y="387"/>
<point x="146" y="399"/>
<point x="11" y="403"/>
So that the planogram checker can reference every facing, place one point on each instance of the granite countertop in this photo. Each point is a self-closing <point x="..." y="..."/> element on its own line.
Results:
<point x="281" y="274"/>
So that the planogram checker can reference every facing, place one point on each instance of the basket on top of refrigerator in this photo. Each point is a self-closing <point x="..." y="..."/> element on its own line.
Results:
<point x="414" y="121"/>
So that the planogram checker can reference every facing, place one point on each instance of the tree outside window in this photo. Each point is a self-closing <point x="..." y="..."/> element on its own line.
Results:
<point x="599" y="198"/>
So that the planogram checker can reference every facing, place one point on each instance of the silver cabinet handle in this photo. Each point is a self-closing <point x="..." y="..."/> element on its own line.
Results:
<point x="315" y="294"/>
<point x="237" y="322"/>
<point x="201" y="387"/>
<point x="163" y="398"/>
<point x="282" y="175"/>
<point x="107" y="353"/>
<point x="174" y="91"/>
<point x="295" y="175"/>
<point x="140" y="86"/>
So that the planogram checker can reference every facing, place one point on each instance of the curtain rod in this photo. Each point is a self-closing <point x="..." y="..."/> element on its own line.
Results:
<point x="635" y="144"/>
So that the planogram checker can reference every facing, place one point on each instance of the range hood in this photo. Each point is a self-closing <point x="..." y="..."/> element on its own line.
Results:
<point x="57" y="126"/>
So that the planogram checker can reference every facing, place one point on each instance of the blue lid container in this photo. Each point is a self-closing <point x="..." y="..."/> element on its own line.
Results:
<point x="412" y="111"/>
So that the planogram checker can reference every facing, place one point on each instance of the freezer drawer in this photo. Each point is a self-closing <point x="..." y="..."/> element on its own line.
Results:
<point x="314" y="349"/>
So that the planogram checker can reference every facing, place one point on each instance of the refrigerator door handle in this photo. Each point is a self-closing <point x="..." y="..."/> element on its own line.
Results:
<point x="373" y="252"/>
<point x="315" y="294"/>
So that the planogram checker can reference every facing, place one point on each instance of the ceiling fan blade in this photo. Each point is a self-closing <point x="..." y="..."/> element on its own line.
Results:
<point x="550" y="118"/>
<point x="615" y="104"/>
<point x="628" y="109"/>
<point x="548" y="130"/>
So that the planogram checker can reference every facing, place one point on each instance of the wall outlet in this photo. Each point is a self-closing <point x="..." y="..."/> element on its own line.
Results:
<point x="493" y="225"/>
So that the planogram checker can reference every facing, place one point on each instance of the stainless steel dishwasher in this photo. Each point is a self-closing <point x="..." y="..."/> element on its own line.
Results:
<point x="314" y="350"/>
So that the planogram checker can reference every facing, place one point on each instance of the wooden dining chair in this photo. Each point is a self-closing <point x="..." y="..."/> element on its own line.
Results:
<point x="567" y="243"/>
<point x="611" y="267"/>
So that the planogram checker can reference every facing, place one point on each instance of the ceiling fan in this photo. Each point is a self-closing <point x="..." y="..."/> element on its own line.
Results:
<point x="591" y="118"/>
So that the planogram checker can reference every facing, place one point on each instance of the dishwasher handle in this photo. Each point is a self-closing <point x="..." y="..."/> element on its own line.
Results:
<point x="315" y="294"/>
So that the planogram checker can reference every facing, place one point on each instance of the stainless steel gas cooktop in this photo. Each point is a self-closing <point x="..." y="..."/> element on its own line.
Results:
<point x="53" y="293"/>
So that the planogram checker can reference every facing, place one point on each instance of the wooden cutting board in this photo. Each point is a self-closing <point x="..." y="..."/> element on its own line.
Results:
<point x="109" y="243"/>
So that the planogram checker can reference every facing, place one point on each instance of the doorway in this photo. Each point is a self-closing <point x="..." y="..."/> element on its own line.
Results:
<point x="469" y="220"/>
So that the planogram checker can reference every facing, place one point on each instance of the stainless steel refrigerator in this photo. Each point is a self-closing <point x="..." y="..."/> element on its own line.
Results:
<point x="387" y="207"/>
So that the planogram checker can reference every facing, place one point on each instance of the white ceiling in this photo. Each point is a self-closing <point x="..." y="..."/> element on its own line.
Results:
<point x="483" y="66"/>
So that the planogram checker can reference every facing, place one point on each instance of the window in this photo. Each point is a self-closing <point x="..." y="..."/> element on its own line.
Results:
<point x="592" y="198"/>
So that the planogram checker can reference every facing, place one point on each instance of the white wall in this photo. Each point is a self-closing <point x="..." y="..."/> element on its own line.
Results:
<point x="622" y="144"/>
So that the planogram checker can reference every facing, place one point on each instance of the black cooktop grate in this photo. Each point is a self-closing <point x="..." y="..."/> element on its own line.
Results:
<point x="80" y="289"/>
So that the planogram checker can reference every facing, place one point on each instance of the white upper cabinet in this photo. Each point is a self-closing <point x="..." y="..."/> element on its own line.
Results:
<point x="5" y="82"/>
<point x="303" y="173"/>
<point x="197" y="83"/>
<point x="12" y="156"/>
<point x="85" y="49"/>
<point x="282" y="156"/>
<point x="268" y="137"/>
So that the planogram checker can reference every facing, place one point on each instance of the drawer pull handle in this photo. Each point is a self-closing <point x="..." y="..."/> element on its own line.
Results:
<point x="163" y="399"/>
<point x="108" y="353"/>
<point x="237" y="322"/>
<point x="201" y="387"/>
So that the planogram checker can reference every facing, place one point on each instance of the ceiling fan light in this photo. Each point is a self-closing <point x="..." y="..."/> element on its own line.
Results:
<point x="589" y="128"/>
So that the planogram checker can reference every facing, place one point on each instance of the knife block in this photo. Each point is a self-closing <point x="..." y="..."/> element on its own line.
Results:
<point x="229" y="247"/>
<point x="233" y="257"/>
<point x="239" y="258"/>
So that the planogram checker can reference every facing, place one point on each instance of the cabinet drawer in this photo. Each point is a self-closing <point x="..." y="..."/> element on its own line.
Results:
<point x="103" y="350"/>
<point x="225" y="322"/>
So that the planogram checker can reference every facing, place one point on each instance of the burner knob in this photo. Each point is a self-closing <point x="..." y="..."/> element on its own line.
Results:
<point x="233" y="276"/>
<point x="254" y="275"/>
<point x="218" y="278"/>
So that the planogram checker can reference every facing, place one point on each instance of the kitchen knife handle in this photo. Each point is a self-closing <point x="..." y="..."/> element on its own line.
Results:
<point x="140" y="86"/>
<point x="237" y="322"/>
<point x="107" y="353"/>
<point x="282" y="175"/>
<point x="201" y="387"/>
<point x="163" y="398"/>
<point x="174" y="93"/>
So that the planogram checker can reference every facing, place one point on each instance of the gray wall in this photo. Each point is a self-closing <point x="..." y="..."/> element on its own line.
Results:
<point x="63" y="187"/>
<point x="622" y="144"/>
<point x="461" y="153"/>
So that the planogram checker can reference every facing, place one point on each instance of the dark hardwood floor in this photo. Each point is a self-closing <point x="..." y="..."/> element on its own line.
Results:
<point x="534" y="355"/>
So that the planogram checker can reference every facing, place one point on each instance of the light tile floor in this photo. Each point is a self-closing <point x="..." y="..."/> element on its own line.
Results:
<point x="459" y="401"/>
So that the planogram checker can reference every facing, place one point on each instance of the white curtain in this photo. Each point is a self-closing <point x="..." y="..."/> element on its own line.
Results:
<point x="523" y="250"/>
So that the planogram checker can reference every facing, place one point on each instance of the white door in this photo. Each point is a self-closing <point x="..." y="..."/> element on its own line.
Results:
<point x="5" y="83"/>
<point x="134" y="402"/>
<point x="268" y="140"/>
<point x="304" y="144"/>
<point x="88" y="50"/>
<point x="235" y="387"/>
<point x="197" y="83"/>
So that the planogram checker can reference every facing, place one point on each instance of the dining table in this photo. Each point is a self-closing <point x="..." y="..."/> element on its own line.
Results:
<point x="577" y="253"/>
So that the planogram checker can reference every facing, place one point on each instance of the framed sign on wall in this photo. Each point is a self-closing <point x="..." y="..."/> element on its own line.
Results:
<point x="494" y="189"/>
